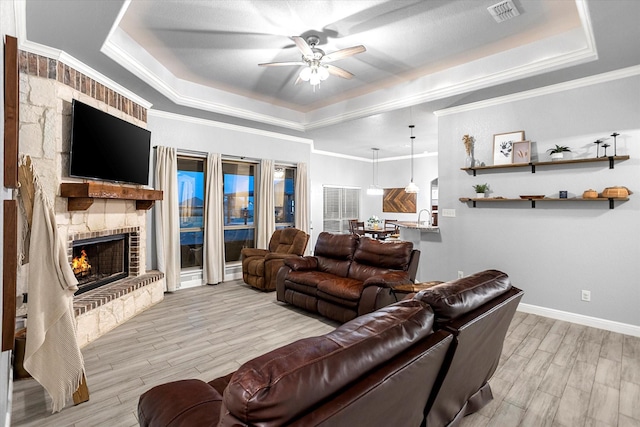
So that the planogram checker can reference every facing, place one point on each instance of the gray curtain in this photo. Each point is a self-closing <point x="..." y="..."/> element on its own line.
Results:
<point x="213" y="263"/>
<point x="266" y="224"/>
<point x="167" y="217"/>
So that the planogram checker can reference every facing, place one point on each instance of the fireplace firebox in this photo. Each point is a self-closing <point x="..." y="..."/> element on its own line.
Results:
<point x="100" y="260"/>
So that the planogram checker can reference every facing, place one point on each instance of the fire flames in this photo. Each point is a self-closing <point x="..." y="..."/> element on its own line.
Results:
<point x="80" y="265"/>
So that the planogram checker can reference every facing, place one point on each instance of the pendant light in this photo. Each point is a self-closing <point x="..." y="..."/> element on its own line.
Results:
<point x="374" y="189"/>
<point x="411" y="188"/>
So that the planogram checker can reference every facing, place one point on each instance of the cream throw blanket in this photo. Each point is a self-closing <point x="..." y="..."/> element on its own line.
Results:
<point x="52" y="355"/>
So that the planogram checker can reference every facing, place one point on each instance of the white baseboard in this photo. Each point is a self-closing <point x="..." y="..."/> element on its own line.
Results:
<point x="594" y="322"/>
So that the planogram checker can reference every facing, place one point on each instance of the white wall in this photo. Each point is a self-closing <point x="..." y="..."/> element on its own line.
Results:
<point x="556" y="250"/>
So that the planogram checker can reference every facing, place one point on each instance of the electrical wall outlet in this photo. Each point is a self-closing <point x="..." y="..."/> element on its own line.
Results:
<point x="586" y="295"/>
<point x="450" y="213"/>
<point x="460" y="274"/>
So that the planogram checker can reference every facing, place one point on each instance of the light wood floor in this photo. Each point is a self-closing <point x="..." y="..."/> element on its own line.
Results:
<point x="552" y="373"/>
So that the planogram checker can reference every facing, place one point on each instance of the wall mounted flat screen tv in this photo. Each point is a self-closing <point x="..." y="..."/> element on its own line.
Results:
<point x="104" y="147"/>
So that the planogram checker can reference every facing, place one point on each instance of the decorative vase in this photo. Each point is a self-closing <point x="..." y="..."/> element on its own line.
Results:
<point x="375" y="226"/>
<point x="557" y="156"/>
<point x="468" y="162"/>
<point x="481" y="195"/>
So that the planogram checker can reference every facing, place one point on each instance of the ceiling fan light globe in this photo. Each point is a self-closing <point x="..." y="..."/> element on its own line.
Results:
<point x="314" y="79"/>
<point x="323" y="73"/>
<point x="305" y="74"/>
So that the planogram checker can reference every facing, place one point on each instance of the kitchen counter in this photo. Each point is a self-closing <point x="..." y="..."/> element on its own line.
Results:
<point x="415" y="226"/>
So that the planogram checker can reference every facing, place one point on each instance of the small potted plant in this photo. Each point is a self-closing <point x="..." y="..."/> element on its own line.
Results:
<point x="557" y="153"/>
<point x="481" y="189"/>
<point x="374" y="222"/>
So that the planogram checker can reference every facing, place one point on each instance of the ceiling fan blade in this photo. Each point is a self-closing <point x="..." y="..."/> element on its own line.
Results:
<point x="343" y="53"/>
<point x="302" y="45"/>
<point x="280" y="64"/>
<point x="337" y="71"/>
<point x="298" y="80"/>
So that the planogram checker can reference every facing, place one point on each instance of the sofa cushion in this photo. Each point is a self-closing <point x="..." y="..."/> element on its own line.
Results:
<point x="286" y="382"/>
<point x="335" y="252"/>
<point x="309" y="278"/>
<point x="452" y="299"/>
<point x="342" y="288"/>
<point x="373" y="257"/>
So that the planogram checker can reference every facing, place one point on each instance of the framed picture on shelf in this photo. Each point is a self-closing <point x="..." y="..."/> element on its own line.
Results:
<point x="503" y="146"/>
<point x="522" y="152"/>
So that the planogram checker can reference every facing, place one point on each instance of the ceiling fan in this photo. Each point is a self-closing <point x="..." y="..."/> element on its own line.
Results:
<point x="316" y="63"/>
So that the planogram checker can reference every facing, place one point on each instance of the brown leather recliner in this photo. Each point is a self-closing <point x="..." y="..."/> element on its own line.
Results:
<point x="260" y="266"/>
<point x="477" y="310"/>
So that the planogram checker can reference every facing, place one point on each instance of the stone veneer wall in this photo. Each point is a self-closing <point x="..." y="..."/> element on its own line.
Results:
<point x="47" y="88"/>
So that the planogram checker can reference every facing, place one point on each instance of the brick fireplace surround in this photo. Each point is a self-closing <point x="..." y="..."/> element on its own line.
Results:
<point x="100" y="310"/>
<point x="47" y="88"/>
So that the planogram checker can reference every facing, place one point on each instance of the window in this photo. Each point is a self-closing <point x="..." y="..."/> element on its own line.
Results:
<point x="284" y="196"/>
<point x="239" y="228"/>
<point x="340" y="205"/>
<point x="191" y="208"/>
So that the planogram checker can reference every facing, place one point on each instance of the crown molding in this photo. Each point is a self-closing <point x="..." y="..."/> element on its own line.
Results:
<point x="546" y="90"/>
<point x="594" y="322"/>
<point x="228" y="126"/>
<point x="60" y="55"/>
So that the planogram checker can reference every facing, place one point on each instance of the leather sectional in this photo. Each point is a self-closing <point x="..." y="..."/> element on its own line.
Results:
<point x="424" y="360"/>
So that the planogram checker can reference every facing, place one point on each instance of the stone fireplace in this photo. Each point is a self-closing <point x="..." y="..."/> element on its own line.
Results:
<point x="112" y="232"/>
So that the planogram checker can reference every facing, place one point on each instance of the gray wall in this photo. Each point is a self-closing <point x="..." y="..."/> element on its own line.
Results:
<point x="555" y="250"/>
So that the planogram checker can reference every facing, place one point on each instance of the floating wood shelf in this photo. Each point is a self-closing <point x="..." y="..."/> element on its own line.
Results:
<point x="533" y="201"/>
<point x="81" y="195"/>
<point x="610" y="159"/>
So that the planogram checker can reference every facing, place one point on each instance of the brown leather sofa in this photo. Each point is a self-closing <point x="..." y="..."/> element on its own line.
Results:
<point x="427" y="357"/>
<point x="381" y="366"/>
<point x="347" y="276"/>
<point x="260" y="266"/>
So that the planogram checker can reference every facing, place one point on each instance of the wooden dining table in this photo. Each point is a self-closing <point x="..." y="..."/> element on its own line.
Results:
<point x="378" y="233"/>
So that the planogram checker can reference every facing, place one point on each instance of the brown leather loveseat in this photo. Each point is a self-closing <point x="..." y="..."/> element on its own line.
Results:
<point x="428" y="357"/>
<point x="347" y="276"/>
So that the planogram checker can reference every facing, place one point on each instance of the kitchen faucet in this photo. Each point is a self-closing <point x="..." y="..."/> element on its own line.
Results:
<point x="428" y="221"/>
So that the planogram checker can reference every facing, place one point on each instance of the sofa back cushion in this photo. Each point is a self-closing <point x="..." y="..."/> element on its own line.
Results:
<point x="373" y="257"/>
<point x="288" y="241"/>
<point x="450" y="300"/>
<point x="335" y="252"/>
<point x="276" y="387"/>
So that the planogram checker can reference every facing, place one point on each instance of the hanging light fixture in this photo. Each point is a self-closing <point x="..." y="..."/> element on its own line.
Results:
<point x="412" y="188"/>
<point x="314" y="73"/>
<point x="374" y="189"/>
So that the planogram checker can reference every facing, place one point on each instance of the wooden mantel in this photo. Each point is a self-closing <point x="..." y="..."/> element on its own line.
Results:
<point x="80" y="195"/>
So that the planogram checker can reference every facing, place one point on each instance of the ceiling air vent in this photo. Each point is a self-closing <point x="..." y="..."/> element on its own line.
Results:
<point x="503" y="11"/>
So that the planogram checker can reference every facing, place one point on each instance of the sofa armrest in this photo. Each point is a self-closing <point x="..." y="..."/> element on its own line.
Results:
<point x="388" y="280"/>
<point x="302" y="263"/>
<point x="179" y="403"/>
<point x="248" y="252"/>
<point x="281" y="256"/>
